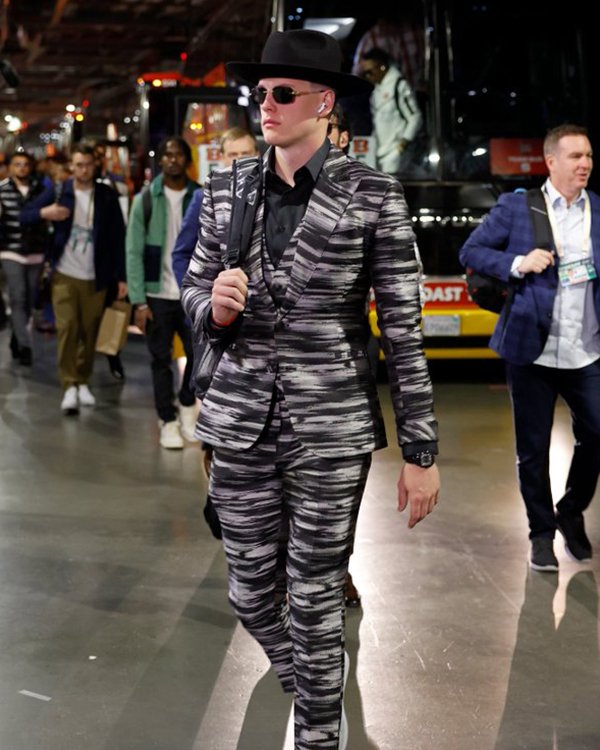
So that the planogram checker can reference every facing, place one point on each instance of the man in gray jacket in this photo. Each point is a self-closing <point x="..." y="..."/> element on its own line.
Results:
<point x="292" y="411"/>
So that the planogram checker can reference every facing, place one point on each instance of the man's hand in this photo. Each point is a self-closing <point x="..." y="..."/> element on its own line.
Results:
<point x="228" y="298"/>
<point x="536" y="261"/>
<point x="141" y="316"/>
<point x="419" y="487"/>
<point x="55" y="212"/>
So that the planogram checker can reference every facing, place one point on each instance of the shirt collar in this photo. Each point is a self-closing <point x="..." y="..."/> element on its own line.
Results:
<point x="313" y="165"/>
<point x="557" y="198"/>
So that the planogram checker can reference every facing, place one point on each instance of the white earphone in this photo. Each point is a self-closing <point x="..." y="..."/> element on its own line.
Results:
<point x="322" y="107"/>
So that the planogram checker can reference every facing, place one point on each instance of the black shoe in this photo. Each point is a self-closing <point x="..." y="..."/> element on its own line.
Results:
<point x="116" y="366"/>
<point x="15" y="349"/>
<point x="577" y="544"/>
<point x="351" y="595"/>
<point x="542" y="555"/>
<point x="25" y="357"/>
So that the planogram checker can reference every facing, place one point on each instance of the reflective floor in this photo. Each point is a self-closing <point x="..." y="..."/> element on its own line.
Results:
<point x="115" y="631"/>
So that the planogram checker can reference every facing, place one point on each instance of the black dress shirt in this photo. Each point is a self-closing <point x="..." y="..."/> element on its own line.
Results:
<point x="285" y="205"/>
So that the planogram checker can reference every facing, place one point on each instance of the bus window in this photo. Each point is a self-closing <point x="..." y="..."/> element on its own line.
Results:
<point x="497" y="75"/>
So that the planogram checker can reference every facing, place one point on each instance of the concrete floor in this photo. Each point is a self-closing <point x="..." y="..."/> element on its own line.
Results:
<point x="115" y="631"/>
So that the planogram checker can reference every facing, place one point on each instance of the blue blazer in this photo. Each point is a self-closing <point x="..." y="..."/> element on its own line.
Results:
<point x="187" y="238"/>
<point x="522" y="329"/>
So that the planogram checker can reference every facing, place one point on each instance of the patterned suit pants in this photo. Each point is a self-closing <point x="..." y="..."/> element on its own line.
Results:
<point x="254" y="491"/>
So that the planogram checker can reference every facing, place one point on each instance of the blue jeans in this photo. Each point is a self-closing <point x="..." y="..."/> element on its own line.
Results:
<point x="534" y="390"/>
<point x="22" y="282"/>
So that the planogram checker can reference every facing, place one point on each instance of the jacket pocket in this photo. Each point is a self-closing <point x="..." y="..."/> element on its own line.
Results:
<point x="152" y="262"/>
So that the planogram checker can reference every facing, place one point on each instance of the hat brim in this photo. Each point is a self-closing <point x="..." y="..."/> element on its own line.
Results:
<point x="343" y="84"/>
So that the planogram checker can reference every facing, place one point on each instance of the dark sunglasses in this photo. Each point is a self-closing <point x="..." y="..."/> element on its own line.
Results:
<point x="281" y="94"/>
<point x="331" y="126"/>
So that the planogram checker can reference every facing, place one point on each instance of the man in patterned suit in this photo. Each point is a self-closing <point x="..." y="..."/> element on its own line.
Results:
<point x="292" y="410"/>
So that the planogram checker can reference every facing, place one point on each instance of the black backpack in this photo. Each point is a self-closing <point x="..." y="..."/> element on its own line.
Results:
<point x="491" y="293"/>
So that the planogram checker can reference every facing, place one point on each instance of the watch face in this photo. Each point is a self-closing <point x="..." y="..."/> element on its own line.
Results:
<point x="424" y="459"/>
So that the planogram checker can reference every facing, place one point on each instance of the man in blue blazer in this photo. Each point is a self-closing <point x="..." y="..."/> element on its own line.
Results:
<point x="549" y="335"/>
<point x="236" y="143"/>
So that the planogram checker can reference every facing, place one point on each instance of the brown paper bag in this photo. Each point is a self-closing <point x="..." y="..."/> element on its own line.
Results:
<point x="112" y="333"/>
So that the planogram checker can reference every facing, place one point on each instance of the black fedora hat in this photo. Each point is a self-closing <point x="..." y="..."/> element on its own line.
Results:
<point x="303" y="54"/>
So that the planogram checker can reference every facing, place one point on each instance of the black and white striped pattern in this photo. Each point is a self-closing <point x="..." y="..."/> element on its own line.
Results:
<point x="356" y="234"/>
<point x="319" y="498"/>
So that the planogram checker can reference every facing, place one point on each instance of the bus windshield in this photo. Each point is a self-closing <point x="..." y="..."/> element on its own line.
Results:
<point x="503" y="71"/>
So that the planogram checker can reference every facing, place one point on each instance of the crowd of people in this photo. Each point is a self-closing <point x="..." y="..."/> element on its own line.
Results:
<point x="292" y="415"/>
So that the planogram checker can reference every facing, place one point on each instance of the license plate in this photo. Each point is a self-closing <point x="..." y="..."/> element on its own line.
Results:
<point x="441" y="325"/>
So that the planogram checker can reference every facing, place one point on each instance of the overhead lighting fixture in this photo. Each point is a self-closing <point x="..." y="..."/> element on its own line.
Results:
<point x="14" y="125"/>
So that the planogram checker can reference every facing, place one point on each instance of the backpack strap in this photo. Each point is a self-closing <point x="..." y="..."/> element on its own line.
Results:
<point x="397" y="96"/>
<point x="147" y="206"/>
<point x="538" y="212"/>
<point x="246" y="179"/>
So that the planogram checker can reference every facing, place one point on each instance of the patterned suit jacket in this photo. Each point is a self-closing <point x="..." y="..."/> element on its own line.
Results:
<point x="356" y="234"/>
<point x="507" y="231"/>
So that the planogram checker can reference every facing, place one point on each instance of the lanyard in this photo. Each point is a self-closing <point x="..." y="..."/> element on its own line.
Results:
<point x="587" y="225"/>
<point x="89" y="220"/>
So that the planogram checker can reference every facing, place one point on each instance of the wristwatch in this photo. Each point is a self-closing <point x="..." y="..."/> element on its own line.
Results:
<point x="424" y="459"/>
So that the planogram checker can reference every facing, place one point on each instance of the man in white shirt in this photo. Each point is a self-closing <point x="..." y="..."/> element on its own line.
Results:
<point x="154" y="223"/>
<point x="88" y="254"/>
<point x="549" y="335"/>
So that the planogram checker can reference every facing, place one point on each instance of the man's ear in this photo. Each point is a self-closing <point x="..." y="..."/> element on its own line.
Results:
<point x="344" y="140"/>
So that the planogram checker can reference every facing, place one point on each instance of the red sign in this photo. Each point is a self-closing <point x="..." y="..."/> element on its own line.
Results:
<point x="360" y="145"/>
<point x="517" y="156"/>
<point x="452" y="293"/>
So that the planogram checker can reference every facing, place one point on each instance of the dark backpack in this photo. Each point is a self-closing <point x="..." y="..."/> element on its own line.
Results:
<point x="491" y="293"/>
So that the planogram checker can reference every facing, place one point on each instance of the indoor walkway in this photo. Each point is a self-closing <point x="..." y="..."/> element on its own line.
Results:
<point x="116" y="634"/>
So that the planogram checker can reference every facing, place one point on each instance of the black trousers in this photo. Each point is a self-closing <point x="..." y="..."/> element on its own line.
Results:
<point x="534" y="391"/>
<point x="168" y="319"/>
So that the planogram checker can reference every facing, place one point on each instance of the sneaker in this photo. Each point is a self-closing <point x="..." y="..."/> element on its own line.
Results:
<point x="577" y="544"/>
<point x="70" y="402"/>
<point x="542" y="555"/>
<point x="188" y="416"/>
<point x="170" y="435"/>
<point x="343" y="741"/>
<point x="86" y="397"/>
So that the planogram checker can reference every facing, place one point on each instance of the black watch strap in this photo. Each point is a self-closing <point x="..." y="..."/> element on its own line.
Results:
<point x="424" y="459"/>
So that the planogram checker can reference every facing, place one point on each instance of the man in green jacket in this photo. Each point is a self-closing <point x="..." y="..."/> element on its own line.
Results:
<point x="153" y="226"/>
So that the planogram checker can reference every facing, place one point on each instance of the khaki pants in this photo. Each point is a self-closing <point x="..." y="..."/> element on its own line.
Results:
<point x="78" y="310"/>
